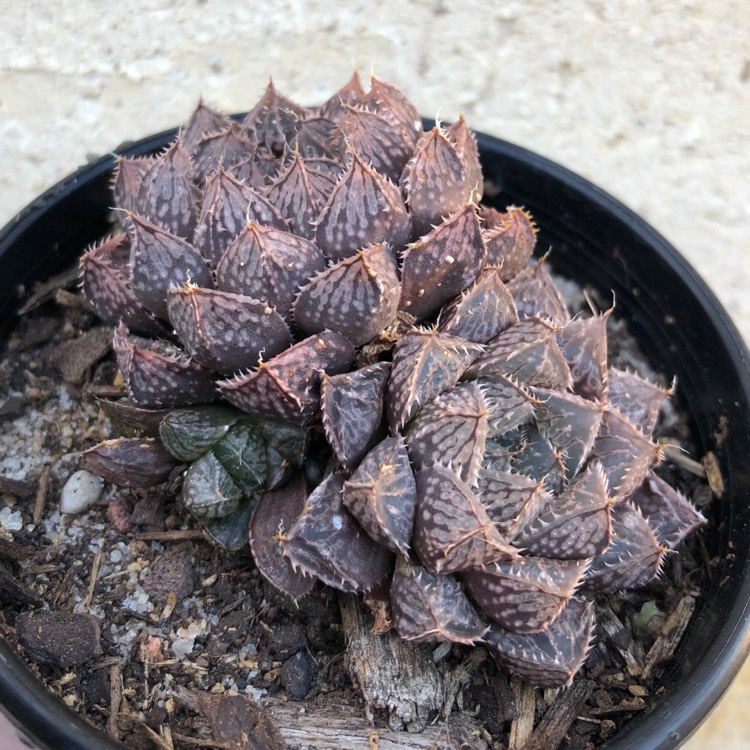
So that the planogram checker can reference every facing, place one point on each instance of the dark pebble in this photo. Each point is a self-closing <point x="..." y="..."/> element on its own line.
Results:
<point x="297" y="675"/>
<point x="95" y="688"/>
<point x="171" y="572"/>
<point x="286" y="640"/>
<point x="60" y="639"/>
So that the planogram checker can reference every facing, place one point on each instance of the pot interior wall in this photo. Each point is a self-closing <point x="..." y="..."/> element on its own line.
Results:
<point x="594" y="240"/>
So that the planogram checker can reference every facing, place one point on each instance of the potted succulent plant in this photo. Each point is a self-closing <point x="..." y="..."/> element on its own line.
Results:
<point x="347" y="351"/>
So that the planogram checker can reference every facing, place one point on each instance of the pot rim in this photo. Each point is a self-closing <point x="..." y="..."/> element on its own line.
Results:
<point x="52" y="724"/>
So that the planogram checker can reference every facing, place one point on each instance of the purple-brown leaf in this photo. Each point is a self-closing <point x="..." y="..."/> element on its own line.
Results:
<point x="482" y="311"/>
<point x="428" y="607"/>
<point x="358" y="296"/>
<point x="636" y="398"/>
<point x="287" y="387"/>
<point x="525" y="351"/>
<point x="536" y="294"/>
<point x="549" y="659"/>
<point x="126" y="182"/>
<point x="575" y="525"/>
<point x="160" y="260"/>
<point x="451" y="430"/>
<point x="325" y="541"/>
<point x="273" y="120"/>
<point x="584" y="345"/>
<point x="525" y="595"/>
<point x="158" y="374"/>
<point x="224" y="331"/>
<point x="167" y="195"/>
<point x="433" y="181"/>
<point x="267" y="263"/>
<point x="105" y="284"/>
<point x="352" y="410"/>
<point x="466" y="146"/>
<point x="425" y="363"/>
<point x="382" y="495"/>
<point x="274" y="514"/>
<point x="668" y="512"/>
<point x="221" y="148"/>
<point x="625" y="453"/>
<point x="510" y="240"/>
<point x="350" y="93"/>
<point x="129" y="462"/>
<point x="510" y="404"/>
<point x="388" y="101"/>
<point x="441" y="264"/>
<point x="452" y="531"/>
<point x="634" y="557"/>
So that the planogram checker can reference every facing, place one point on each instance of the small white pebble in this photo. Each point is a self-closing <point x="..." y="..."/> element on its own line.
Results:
<point x="11" y="519"/>
<point x="82" y="490"/>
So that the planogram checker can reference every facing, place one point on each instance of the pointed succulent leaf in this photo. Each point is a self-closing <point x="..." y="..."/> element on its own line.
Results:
<point x="452" y="531"/>
<point x="289" y="442"/>
<point x="267" y="263"/>
<point x="131" y="420"/>
<point x="451" y="430"/>
<point x="203" y="120"/>
<point x="229" y="531"/>
<point x="189" y="433"/>
<point x="105" y="282"/>
<point x="287" y="387"/>
<point x="126" y="182"/>
<point x="160" y="260"/>
<point x="510" y="404"/>
<point x="441" y="264"/>
<point x="242" y="453"/>
<point x="571" y="424"/>
<point x="466" y="146"/>
<point x="634" y="557"/>
<point x="636" y="398"/>
<point x="551" y="658"/>
<point x="296" y="197"/>
<point x="537" y="458"/>
<point x="273" y="120"/>
<point x="223" y="215"/>
<point x="382" y="494"/>
<point x="208" y="489"/>
<point x="525" y="351"/>
<point x="668" y="512"/>
<point x="364" y="209"/>
<point x="129" y="462"/>
<point x="224" y="331"/>
<point x="429" y="607"/>
<point x="358" y="296"/>
<point x="350" y="93"/>
<point x="225" y="148"/>
<point x="574" y="526"/>
<point x="379" y="142"/>
<point x="425" y="364"/>
<point x="512" y="501"/>
<point x="316" y="138"/>
<point x="500" y="450"/>
<point x="536" y="294"/>
<point x="326" y="542"/>
<point x="525" y="595"/>
<point x="167" y="195"/>
<point x="510" y="240"/>
<point x="275" y="513"/>
<point x="482" y="311"/>
<point x="158" y="375"/>
<point x="433" y="181"/>
<point x="352" y="410"/>
<point x="583" y="342"/>
<point x="625" y="453"/>
<point x="388" y="101"/>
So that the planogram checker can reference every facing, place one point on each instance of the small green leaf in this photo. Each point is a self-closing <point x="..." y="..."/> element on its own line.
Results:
<point x="208" y="490"/>
<point x="189" y="433"/>
<point x="648" y="611"/>
<point x="230" y="531"/>
<point x="242" y="453"/>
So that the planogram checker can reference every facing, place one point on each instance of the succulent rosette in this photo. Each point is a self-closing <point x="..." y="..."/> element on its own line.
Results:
<point x="361" y="370"/>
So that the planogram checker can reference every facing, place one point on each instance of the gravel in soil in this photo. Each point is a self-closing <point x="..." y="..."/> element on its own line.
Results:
<point x="138" y="623"/>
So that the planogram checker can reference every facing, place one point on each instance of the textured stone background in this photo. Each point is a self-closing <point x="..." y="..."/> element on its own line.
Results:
<point x="651" y="101"/>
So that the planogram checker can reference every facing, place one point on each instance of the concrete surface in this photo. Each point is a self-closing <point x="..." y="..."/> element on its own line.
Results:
<point x="651" y="101"/>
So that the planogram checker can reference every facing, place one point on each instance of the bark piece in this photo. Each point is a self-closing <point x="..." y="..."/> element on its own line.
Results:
<point x="60" y="639"/>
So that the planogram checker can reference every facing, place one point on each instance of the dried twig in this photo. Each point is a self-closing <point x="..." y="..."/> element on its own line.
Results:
<point x="41" y="495"/>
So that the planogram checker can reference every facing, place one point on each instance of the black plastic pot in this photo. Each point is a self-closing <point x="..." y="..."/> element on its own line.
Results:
<point x="595" y="240"/>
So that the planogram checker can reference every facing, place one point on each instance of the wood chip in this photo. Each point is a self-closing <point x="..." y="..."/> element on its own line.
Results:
<point x="41" y="495"/>
<point x="522" y="726"/>
<point x="115" y="700"/>
<point x="672" y="632"/>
